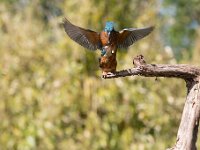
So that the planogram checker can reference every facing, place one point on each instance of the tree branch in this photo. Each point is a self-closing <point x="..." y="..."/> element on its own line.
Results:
<point x="157" y="70"/>
<point x="188" y="129"/>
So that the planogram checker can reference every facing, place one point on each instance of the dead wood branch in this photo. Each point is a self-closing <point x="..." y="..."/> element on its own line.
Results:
<point x="188" y="129"/>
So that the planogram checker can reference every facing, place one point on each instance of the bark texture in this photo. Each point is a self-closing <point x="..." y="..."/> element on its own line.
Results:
<point x="188" y="129"/>
<point x="183" y="71"/>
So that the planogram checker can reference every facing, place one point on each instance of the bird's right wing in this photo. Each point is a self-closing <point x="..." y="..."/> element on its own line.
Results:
<point x="85" y="37"/>
<point x="127" y="37"/>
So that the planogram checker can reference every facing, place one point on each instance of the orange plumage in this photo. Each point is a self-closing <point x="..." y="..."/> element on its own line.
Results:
<point x="108" y="62"/>
<point x="108" y="41"/>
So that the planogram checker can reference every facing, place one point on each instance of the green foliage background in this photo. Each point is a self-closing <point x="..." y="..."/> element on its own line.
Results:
<point x="51" y="92"/>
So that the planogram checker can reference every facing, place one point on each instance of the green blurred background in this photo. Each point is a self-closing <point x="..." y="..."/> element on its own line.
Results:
<point x="52" y="96"/>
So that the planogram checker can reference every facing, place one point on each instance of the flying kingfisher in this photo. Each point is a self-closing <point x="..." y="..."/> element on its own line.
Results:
<point x="108" y="41"/>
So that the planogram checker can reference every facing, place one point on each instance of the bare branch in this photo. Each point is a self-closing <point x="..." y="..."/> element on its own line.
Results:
<point x="157" y="70"/>
<point x="188" y="129"/>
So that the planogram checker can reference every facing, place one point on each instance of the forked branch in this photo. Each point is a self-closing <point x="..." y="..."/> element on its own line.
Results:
<point x="188" y="129"/>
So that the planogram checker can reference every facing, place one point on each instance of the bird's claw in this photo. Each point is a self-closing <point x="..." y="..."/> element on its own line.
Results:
<point x="103" y="76"/>
<point x="106" y="74"/>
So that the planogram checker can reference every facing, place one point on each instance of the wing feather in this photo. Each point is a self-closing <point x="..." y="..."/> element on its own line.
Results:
<point x="85" y="37"/>
<point x="127" y="37"/>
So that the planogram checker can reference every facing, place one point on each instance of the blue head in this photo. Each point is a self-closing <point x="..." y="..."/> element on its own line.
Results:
<point x="109" y="26"/>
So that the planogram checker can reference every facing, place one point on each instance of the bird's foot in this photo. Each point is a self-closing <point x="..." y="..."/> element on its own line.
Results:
<point x="106" y="74"/>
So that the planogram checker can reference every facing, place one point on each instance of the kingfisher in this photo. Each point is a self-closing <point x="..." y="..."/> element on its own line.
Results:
<point x="107" y="41"/>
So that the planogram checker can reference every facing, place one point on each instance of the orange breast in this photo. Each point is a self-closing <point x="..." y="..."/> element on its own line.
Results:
<point x="108" y="64"/>
<point x="104" y="38"/>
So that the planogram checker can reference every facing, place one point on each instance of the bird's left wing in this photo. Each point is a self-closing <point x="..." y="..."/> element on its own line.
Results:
<point x="127" y="37"/>
<point x="85" y="37"/>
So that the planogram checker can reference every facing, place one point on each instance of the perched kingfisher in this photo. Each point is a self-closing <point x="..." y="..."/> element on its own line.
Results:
<point x="108" y="41"/>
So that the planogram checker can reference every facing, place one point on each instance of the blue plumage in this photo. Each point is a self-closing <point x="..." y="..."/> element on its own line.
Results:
<point x="108" y="41"/>
<point x="109" y="26"/>
<point x="103" y="52"/>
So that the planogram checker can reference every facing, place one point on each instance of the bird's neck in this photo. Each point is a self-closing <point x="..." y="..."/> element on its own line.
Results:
<point x="108" y="33"/>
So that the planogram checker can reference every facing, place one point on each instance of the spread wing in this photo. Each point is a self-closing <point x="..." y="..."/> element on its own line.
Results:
<point x="127" y="37"/>
<point x="85" y="37"/>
